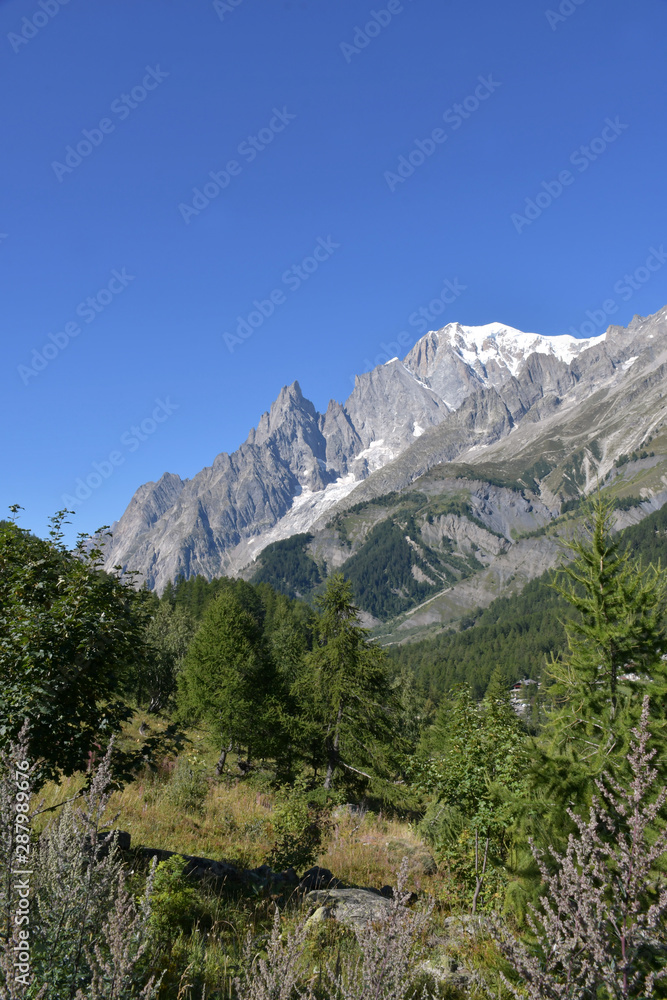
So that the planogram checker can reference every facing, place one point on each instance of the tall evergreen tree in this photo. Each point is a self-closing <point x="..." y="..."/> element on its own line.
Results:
<point x="614" y="645"/>
<point x="228" y="681"/>
<point x="346" y="683"/>
<point x="613" y="658"/>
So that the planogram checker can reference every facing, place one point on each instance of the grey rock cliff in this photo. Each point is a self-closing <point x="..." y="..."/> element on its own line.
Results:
<point x="460" y="393"/>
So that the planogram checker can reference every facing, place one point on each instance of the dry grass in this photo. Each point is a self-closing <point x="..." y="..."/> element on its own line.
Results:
<point x="234" y="822"/>
<point x="356" y="849"/>
<point x="235" y="825"/>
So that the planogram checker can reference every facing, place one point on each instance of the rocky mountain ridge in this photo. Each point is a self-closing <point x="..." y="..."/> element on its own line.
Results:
<point x="461" y="394"/>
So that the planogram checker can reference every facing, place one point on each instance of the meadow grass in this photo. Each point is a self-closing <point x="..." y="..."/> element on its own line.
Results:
<point x="231" y="818"/>
<point x="178" y="804"/>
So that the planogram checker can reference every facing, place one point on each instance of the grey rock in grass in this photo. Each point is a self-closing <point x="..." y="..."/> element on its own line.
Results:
<point x="203" y="868"/>
<point x="318" y="878"/>
<point x="351" y="907"/>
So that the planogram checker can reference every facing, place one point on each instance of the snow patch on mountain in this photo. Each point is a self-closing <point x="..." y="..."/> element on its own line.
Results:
<point x="279" y="482"/>
<point x="376" y="455"/>
<point x="307" y="507"/>
<point x="510" y="347"/>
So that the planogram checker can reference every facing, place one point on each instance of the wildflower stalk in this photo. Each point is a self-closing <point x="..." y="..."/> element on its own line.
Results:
<point x="601" y="929"/>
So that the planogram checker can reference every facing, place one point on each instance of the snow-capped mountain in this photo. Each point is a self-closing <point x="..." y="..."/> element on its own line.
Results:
<point x="475" y="384"/>
<point x="454" y="359"/>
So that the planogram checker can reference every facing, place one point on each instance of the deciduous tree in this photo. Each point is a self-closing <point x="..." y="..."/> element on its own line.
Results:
<point x="71" y="641"/>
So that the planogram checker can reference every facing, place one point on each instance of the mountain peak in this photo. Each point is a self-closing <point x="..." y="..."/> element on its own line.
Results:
<point x="468" y="386"/>
<point x="495" y="344"/>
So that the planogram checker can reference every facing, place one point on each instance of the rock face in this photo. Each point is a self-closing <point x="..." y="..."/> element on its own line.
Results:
<point x="352" y="907"/>
<point x="458" y="391"/>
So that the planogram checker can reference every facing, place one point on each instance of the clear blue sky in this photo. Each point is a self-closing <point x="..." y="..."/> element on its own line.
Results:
<point x="172" y="90"/>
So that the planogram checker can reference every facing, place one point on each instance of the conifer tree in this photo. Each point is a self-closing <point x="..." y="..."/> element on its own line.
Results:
<point x="600" y="930"/>
<point x="613" y="659"/>
<point x="614" y="646"/>
<point x="346" y="684"/>
<point x="228" y="680"/>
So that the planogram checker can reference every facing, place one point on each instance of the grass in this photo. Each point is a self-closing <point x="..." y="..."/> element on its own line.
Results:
<point x="231" y="818"/>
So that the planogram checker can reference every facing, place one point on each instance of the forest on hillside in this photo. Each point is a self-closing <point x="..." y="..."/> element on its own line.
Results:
<point x="296" y="707"/>
<point x="515" y="634"/>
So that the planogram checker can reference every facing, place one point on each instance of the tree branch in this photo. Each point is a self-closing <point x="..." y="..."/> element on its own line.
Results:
<point x="355" y="769"/>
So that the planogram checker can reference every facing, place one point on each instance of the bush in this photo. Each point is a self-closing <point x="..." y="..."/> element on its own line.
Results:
<point x="601" y="929"/>
<point x="175" y="900"/>
<point x="86" y="931"/>
<point x="187" y="788"/>
<point x="296" y="830"/>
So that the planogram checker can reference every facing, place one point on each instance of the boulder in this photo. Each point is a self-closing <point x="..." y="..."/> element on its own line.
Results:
<point x="445" y="964"/>
<point x="269" y="877"/>
<point x="445" y="968"/>
<point x="351" y="907"/>
<point x="318" y="878"/>
<point x="226" y="873"/>
<point x="203" y="868"/>
<point x="105" y="839"/>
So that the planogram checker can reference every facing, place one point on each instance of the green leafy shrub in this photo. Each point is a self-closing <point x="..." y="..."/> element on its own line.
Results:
<point x="175" y="902"/>
<point x="296" y="830"/>
<point x="187" y="788"/>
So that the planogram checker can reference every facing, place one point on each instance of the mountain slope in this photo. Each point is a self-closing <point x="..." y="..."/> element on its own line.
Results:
<point x="518" y="632"/>
<point x="489" y="397"/>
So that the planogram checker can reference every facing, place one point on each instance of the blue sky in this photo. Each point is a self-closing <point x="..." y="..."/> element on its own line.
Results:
<point x="365" y="155"/>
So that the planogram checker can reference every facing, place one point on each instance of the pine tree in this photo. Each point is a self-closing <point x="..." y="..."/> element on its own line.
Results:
<point x="601" y="929"/>
<point x="613" y="658"/>
<point x="228" y="680"/>
<point x="614" y="646"/>
<point x="346" y="684"/>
